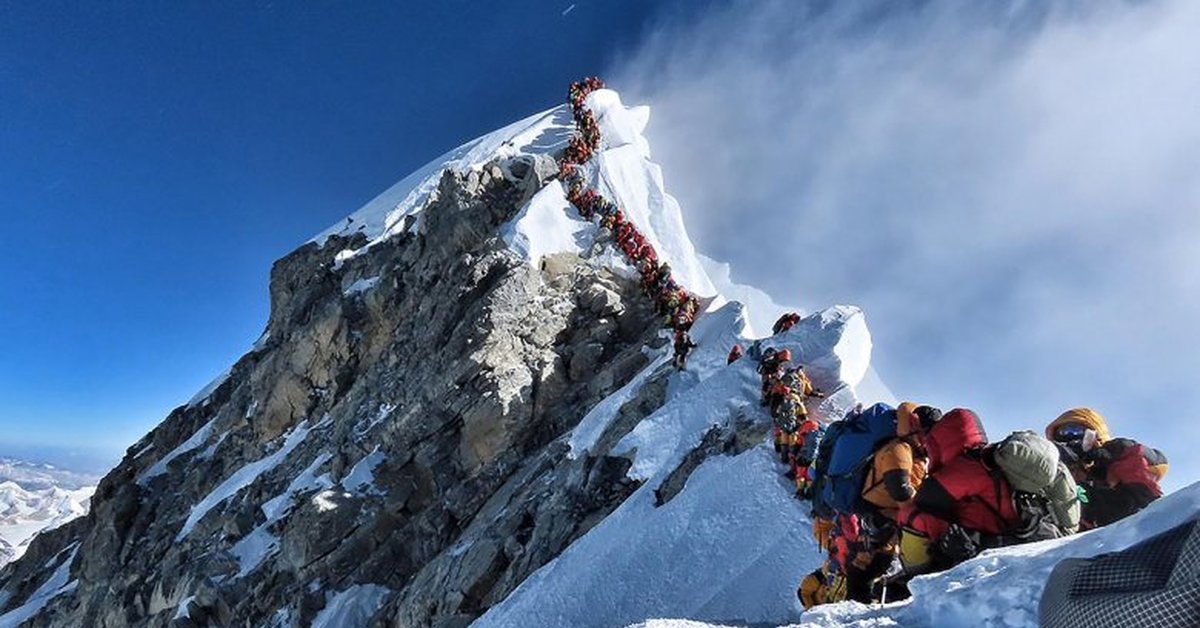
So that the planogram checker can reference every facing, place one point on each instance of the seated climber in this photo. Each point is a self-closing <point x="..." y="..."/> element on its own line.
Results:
<point x="1014" y="491"/>
<point x="1119" y="476"/>
<point x="954" y="445"/>
<point x="683" y="347"/>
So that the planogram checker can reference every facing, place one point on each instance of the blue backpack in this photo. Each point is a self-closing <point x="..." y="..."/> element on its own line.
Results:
<point x="820" y="469"/>
<point x="858" y="438"/>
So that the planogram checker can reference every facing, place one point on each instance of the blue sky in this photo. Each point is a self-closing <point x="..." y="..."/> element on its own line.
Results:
<point x="155" y="161"/>
<point x="1007" y="188"/>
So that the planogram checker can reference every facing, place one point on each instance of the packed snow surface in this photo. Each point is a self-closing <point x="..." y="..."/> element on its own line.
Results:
<point x="710" y="552"/>
<point x="386" y="214"/>
<point x="548" y="224"/>
<point x="998" y="589"/>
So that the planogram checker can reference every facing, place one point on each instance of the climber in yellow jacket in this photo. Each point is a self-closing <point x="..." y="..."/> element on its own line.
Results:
<point x="899" y="466"/>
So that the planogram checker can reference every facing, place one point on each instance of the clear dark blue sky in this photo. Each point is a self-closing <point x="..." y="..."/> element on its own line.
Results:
<point x="156" y="158"/>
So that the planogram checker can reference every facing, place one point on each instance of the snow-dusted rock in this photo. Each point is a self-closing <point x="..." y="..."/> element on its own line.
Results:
<point x="462" y="409"/>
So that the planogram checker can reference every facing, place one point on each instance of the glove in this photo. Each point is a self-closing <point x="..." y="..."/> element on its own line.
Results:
<point x="957" y="545"/>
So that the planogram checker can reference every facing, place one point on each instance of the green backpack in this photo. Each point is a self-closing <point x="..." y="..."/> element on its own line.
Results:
<point x="1031" y="465"/>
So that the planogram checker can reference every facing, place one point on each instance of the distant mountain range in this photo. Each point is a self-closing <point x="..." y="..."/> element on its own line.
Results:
<point x="35" y="497"/>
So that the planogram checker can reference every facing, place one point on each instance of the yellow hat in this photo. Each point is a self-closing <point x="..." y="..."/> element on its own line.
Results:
<point x="1086" y="417"/>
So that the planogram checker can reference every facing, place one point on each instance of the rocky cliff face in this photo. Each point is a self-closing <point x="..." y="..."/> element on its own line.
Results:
<point x="399" y="426"/>
<point x="462" y="410"/>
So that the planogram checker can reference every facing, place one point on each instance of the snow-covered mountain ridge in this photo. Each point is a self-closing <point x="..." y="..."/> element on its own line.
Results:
<point x="36" y="497"/>
<point x="462" y="412"/>
<point x="35" y="476"/>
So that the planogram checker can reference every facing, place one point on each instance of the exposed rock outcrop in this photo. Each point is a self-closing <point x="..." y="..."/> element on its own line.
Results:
<point x="399" y="424"/>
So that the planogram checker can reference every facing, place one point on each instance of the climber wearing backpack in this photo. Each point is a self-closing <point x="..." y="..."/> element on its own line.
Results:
<point x="852" y="442"/>
<point x="803" y="450"/>
<point x="1014" y="491"/>
<point x="771" y="368"/>
<point x="857" y="557"/>
<point x="1119" y="476"/>
<point x="867" y="444"/>
<point x="784" y="418"/>
<point x="685" y="314"/>
<point x="897" y="469"/>
<point x="958" y="432"/>
<point x="815" y="588"/>
<point x="785" y="322"/>
<point x="646" y="251"/>
<point x="795" y="385"/>
<point x="892" y="477"/>
<point x="1124" y="478"/>
<point x="683" y="347"/>
<point x="631" y="245"/>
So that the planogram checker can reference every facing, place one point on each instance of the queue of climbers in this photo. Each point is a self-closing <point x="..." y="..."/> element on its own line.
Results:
<point x="677" y="306"/>
<point x="902" y="491"/>
<point x="786" y="391"/>
<point x="895" y="491"/>
<point x="899" y="492"/>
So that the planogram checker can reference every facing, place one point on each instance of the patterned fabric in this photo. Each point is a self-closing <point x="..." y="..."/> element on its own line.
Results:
<point x="1155" y="583"/>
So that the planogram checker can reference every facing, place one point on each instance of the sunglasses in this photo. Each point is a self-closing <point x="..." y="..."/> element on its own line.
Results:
<point x="1070" y="432"/>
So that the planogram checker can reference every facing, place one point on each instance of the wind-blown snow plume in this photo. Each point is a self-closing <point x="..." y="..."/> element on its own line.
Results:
<point x="1007" y="189"/>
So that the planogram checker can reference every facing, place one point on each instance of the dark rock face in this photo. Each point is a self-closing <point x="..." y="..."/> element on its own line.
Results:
<point x="400" y="424"/>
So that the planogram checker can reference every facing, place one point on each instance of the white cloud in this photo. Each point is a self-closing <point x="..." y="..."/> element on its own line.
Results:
<point x="1010" y="191"/>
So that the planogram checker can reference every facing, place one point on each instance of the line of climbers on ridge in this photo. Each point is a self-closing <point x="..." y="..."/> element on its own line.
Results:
<point x="899" y="492"/>
<point x="678" y="306"/>
<point x="896" y="492"/>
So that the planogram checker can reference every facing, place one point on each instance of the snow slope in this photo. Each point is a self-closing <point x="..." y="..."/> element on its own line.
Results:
<point x="1000" y="588"/>
<point x="732" y="543"/>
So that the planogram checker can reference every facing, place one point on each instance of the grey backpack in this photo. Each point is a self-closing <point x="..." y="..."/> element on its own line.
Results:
<point x="1030" y="464"/>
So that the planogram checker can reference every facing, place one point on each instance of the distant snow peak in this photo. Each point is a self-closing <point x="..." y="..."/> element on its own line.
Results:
<point x="36" y="497"/>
